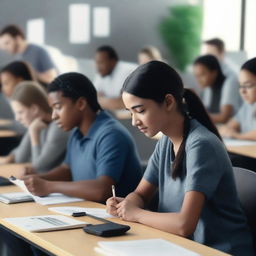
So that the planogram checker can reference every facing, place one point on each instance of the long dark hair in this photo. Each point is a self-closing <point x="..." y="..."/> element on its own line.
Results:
<point x="154" y="80"/>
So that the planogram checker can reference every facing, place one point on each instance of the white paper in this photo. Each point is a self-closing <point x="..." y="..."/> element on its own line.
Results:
<point x="54" y="198"/>
<point x="45" y="223"/>
<point x="69" y="210"/>
<point x="149" y="247"/>
<point x="15" y="197"/>
<point x="234" y="142"/>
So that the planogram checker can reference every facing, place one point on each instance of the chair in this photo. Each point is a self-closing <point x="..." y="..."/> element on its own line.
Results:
<point x="246" y="188"/>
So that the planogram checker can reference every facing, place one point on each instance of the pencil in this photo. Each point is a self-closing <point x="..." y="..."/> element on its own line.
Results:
<point x="113" y="191"/>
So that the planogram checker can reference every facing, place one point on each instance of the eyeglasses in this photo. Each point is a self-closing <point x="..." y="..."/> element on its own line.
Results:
<point x="247" y="86"/>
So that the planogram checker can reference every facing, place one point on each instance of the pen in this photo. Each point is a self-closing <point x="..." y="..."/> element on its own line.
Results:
<point x="113" y="191"/>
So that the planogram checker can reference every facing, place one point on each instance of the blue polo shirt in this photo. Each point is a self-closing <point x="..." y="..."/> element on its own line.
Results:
<point x="107" y="149"/>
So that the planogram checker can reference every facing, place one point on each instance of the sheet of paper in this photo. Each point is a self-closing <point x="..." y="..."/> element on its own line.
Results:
<point x="233" y="142"/>
<point x="149" y="247"/>
<point x="69" y="210"/>
<point x="54" y="198"/>
<point x="45" y="223"/>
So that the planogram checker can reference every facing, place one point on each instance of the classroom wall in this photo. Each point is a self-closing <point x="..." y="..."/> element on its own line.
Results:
<point x="133" y="24"/>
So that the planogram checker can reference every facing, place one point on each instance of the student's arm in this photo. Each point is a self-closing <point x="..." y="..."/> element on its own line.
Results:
<point x="111" y="103"/>
<point x="47" y="76"/>
<point x="95" y="190"/>
<point x="230" y="127"/>
<point x="7" y="159"/>
<point x="48" y="153"/>
<point x="224" y="115"/>
<point x="251" y="135"/>
<point x="182" y="223"/>
<point x="60" y="173"/>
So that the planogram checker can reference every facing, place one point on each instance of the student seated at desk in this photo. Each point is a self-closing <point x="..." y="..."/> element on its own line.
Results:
<point x="219" y="93"/>
<point x="44" y="144"/>
<point x="100" y="150"/>
<point x="243" y="124"/>
<point x="189" y="167"/>
<point x="14" y="73"/>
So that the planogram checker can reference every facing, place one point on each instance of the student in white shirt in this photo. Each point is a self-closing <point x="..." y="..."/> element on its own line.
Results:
<point x="110" y="78"/>
<point x="243" y="124"/>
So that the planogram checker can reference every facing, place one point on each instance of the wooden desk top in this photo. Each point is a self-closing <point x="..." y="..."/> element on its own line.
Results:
<point x="5" y="122"/>
<point x="243" y="150"/>
<point x="75" y="242"/>
<point x="7" y="133"/>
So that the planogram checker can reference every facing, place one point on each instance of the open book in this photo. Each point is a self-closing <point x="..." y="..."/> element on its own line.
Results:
<point x="45" y="223"/>
<point x="54" y="198"/>
<point x="149" y="247"/>
<point x="15" y="197"/>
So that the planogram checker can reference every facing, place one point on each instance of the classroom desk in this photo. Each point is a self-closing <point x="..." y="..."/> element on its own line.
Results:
<point x="7" y="134"/>
<point x="5" y="122"/>
<point x="243" y="150"/>
<point x="75" y="242"/>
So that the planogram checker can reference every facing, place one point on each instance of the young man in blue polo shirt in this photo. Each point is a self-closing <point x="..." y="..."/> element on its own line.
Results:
<point x="100" y="151"/>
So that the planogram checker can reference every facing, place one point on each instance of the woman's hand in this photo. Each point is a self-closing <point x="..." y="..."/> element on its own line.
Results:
<point x="111" y="203"/>
<point x="36" y="185"/>
<point x="128" y="211"/>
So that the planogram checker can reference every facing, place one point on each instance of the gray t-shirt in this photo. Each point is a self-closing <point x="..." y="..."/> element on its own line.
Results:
<point x="5" y="108"/>
<point x="37" y="57"/>
<point x="246" y="117"/>
<point x="206" y="169"/>
<point x="49" y="154"/>
<point x="229" y="95"/>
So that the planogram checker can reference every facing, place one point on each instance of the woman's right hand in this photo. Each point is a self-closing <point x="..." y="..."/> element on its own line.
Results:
<point x="111" y="203"/>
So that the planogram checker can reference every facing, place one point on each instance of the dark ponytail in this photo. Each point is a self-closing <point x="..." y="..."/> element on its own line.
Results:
<point x="154" y="80"/>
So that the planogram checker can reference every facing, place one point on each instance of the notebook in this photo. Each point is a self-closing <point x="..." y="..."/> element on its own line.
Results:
<point x="15" y="197"/>
<point x="54" y="198"/>
<point x="45" y="223"/>
<point x="70" y="210"/>
<point x="149" y="247"/>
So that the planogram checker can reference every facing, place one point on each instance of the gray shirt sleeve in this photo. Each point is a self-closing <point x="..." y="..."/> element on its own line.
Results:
<point x="152" y="171"/>
<point x="230" y="93"/>
<point x="51" y="150"/>
<point x="203" y="172"/>
<point x="5" y="108"/>
<point x="22" y="154"/>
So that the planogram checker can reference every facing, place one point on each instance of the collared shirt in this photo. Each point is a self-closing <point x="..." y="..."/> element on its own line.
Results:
<point x="206" y="169"/>
<point x="107" y="150"/>
<point x="112" y="84"/>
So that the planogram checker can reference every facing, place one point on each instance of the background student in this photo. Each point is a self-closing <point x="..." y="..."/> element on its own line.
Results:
<point x="219" y="94"/>
<point x="13" y="41"/>
<point x="243" y="124"/>
<point x="44" y="144"/>
<point x="14" y="73"/>
<point x="100" y="150"/>
<point x="111" y="73"/>
<point x="195" y="200"/>
<point x="149" y="53"/>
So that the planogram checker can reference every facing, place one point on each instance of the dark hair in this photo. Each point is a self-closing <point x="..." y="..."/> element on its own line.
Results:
<point x="13" y="30"/>
<point x="209" y="61"/>
<point x="74" y="85"/>
<point x="154" y="80"/>
<point x="19" y="69"/>
<point x="112" y="54"/>
<point x="218" y="43"/>
<point x="250" y="66"/>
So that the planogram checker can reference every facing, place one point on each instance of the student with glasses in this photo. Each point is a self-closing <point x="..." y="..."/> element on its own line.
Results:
<point x="243" y="124"/>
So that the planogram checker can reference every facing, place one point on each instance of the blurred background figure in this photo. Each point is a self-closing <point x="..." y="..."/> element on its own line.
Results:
<point x="14" y="73"/>
<point x="149" y="53"/>
<point x="13" y="41"/>
<point x="111" y="74"/>
<point x="220" y="94"/>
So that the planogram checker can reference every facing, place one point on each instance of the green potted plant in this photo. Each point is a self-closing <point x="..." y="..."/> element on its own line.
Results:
<point x="181" y="32"/>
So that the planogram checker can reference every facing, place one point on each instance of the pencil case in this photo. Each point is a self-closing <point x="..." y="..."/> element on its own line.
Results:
<point x="107" y="229"/>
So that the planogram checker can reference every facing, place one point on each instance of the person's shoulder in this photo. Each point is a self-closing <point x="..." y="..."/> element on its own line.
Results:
<point x="126" y="66"/>
<point x="36" y="48"/>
